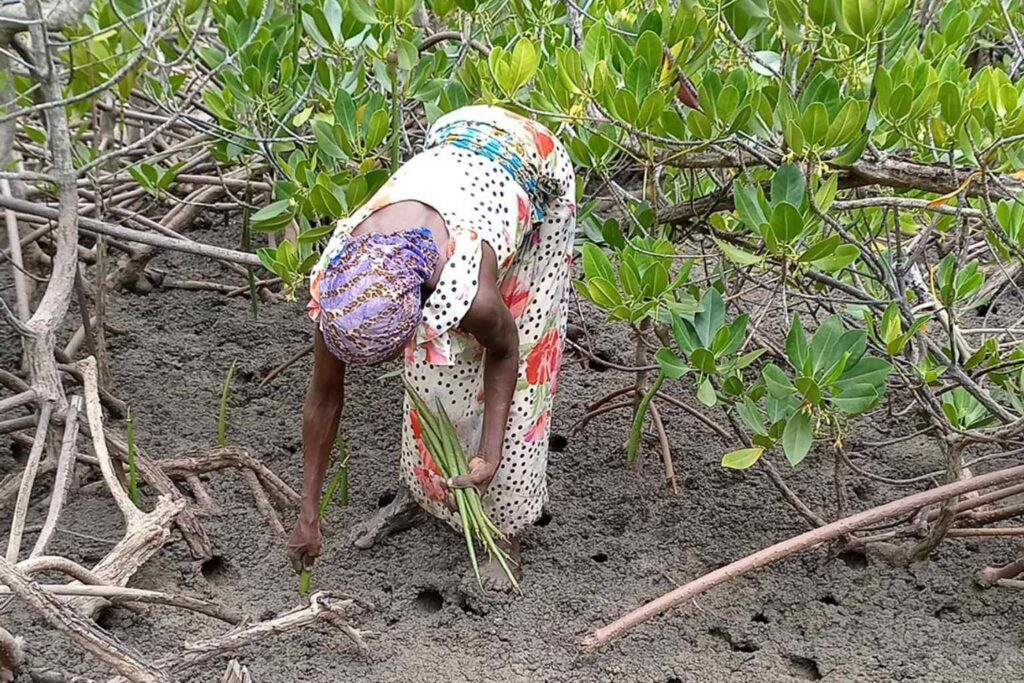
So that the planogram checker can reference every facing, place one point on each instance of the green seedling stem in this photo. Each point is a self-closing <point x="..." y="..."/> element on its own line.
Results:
<point x="133" y="472"/>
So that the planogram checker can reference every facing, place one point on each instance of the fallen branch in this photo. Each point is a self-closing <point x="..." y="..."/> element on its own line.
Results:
<point x="65" y="467"/>
<point x="120" y="594"/>
<point x="102" y="645"/>
<point x="28" y="478"/>
<point x="100" y="228"/>
<point x="796" y="544"/>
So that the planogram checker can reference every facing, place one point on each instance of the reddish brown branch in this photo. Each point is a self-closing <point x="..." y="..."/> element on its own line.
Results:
<point x="796" y="544"/>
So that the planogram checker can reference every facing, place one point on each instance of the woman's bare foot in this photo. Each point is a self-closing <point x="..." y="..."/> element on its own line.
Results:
<point x="398" y="515"/>
<point x="493" y="576"/>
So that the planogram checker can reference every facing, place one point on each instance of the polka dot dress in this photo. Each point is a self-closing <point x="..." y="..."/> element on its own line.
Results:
<point x="532" y="235"/>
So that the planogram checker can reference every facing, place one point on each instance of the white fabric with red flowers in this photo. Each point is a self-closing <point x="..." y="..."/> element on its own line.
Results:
<point x="480" y="201"/>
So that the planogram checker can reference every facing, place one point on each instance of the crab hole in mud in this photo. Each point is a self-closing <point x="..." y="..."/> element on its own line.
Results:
<point x="215" y="569"/>
<point x="600" y="558"/>
<point x="557" y="443"/>
<point x="854" y="558"/>
<point x="544" y="519"/>
<point x="428" y="601"/>
<point x="385" y="498"/>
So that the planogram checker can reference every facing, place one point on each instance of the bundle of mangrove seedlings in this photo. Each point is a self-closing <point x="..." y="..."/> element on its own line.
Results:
<point x="443" y="444"/>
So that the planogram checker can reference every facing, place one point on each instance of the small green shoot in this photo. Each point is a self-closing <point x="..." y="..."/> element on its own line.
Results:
<point x="133" y="473"/>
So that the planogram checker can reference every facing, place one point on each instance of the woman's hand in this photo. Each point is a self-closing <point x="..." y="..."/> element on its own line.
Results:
<point x="305" y="544"/>
<point x="481" y="472"/>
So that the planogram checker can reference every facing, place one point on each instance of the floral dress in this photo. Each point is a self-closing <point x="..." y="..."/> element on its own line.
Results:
<point x="498" y="178"/>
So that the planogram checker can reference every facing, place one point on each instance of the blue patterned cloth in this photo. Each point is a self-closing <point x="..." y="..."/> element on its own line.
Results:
<point x="498" y="145"/>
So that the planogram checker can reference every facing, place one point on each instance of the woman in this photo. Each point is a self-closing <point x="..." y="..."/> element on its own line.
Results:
<point x="462" y="260"/>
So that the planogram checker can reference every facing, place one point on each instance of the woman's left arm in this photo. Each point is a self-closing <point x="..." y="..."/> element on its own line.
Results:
<point x="490" y="321"/>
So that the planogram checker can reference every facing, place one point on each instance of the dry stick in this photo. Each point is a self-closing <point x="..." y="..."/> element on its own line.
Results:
<point x="666" y="451"/>
<point x="203" y="498"/>
<point x="151" y="472"/>
<point x="120" y="594"/>
<point x="28" y="478"/>
<point x="13" y="425"/>
<point x="210" y="460"/>
<point x="948" y="510"/>
<point x="585" y="420"/>
<point x="13" y="239"/>
<point x="987" y="576"/>
<point x="65" y="466"/>
<point x="990" y="531"/>
<point x="294" y="358"/>
<point x="262" y="502"/>
<point x="796" y="544"/>
<point x="24" y="398"/>
<point x="322" y="607"/>
<point x="708" y="422"/>
<point x="127" y="234"/>
<point x="104" y="646"/>
<point x="83" y="310"/>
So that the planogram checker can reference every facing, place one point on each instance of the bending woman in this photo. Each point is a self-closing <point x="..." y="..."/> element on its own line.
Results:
<point x="462" y="262"/>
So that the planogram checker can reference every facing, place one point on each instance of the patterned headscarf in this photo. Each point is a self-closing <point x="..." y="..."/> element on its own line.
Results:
<point x="370" y="295"/>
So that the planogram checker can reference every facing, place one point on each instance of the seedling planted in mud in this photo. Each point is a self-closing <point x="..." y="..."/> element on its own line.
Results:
<point x="133" y="473"/>
<point x="222" y="420"/>
<point x="338" y="484"/>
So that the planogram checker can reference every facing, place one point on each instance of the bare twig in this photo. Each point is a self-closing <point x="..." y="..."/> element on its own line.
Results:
<point x="65" y="468"/>
<point x="796" y="544"/>
<point x="28" y="478"/>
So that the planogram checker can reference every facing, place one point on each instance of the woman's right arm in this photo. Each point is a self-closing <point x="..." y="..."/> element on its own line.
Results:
<point x="320" y="415"/>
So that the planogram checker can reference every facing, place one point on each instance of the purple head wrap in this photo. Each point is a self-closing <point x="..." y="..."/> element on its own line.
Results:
<point x="371" y="294"/>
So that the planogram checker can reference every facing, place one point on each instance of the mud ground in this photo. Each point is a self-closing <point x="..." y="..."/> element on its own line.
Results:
<point x="610" y="540"/>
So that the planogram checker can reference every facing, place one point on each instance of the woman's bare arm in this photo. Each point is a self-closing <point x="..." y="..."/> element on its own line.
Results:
<point x="320" y="415"/>
<point x="491" y="323"/>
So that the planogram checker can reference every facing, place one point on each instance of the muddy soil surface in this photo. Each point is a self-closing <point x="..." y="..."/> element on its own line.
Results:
<point x="611" y="538"/>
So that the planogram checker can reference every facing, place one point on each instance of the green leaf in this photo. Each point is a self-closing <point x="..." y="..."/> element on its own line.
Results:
<point x="847" y="123"/>
<point x="324" y="134"/>
<point x="814" y="124"/>
<point x="852" y="153"/>
<point x="671" y="365"/>
<point x="820" y="250"/>
<point x="703" y="360"/>
<point x="797" y="437"/>
<point x="604" y="294"/>
<point x="843" y="256"/>
<point x="787" y="223"/>
<point x="706" y="393"/>
<point x="788" y="186"/>
<point x="751" y="416"/>
<point x="377" y="130"/>
<point x="747" y="206"/>
<point x="796" y="345"/>
<point x="525" y="60"/>
<point x="737" y="255"/>
<point x="861" y="17"/>
<point x="856" y="399"/>
<point x="826" y="193"/>
<point x="272" y="217"/>
<point x="742" y="459"/>
<point x="809" y="389"/>
<point x="363" y="11"/>
<point x="596" y="264"/>
<point x="872" y="371"/>
<point x="777" y="383"/>
<point x="711" y="318"/>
